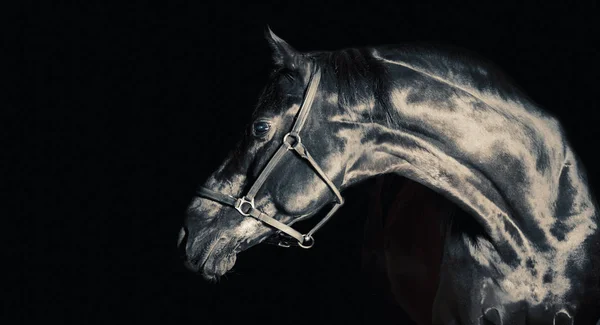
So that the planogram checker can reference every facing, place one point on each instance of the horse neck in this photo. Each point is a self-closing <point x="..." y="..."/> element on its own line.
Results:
<point x="502" y="163"/>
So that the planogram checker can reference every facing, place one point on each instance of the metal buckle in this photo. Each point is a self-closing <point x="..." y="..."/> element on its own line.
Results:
<point x="295" y="136"/>
<point x="283" y="244"/>
<point x="239" y="204"/>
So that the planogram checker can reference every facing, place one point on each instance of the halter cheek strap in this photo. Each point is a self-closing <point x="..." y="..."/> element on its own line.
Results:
<point x="291" y="142"/>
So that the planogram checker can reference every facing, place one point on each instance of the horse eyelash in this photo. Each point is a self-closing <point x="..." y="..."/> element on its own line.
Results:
<point x="289" y="76"/>
<point x="287" y="73"/>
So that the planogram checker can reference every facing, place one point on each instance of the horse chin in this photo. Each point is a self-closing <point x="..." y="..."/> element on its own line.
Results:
<point x="217" y="264"/>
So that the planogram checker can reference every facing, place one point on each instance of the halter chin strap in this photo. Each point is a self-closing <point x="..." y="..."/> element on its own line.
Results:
<point x="291" y="142"/>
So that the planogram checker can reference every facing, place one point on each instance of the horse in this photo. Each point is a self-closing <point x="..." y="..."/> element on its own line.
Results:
<point x="524" y="250"/>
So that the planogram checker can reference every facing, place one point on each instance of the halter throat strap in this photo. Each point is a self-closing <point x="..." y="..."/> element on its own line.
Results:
<point x="291" y="142"/>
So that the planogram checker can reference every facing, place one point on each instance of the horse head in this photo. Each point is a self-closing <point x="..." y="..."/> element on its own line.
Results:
<point x="289" y="164"/>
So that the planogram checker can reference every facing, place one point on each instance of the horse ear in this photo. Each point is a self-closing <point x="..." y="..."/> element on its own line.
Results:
<point x="283" y="53"/>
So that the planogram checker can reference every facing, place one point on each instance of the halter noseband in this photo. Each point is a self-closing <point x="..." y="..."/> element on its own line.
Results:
<point x="291" y="141"/>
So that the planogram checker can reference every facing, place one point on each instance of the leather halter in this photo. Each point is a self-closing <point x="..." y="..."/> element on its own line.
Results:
<point x="291" y="142"/>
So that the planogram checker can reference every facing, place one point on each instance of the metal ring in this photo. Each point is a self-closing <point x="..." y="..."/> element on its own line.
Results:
<point x="239" y="204"/>
<point x="296" y="137"/>
<point x="309" y="239"/>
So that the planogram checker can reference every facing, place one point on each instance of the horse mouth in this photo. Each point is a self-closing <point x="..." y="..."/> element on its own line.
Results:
<point x="214" y="260"/>
<point x="216" y="266"/>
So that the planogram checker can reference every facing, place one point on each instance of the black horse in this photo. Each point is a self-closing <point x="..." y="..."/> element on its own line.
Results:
<point x="528" y="253"/>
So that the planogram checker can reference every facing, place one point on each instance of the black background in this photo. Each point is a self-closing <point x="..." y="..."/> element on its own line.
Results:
<point x="120" y="111"/>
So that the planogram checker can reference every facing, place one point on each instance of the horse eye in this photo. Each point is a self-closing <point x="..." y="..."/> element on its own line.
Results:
<point x="261" y="128"/>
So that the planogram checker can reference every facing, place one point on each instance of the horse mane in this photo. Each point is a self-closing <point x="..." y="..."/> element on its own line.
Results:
<point x="360" y="80"/>
<point x="361" y="76"/>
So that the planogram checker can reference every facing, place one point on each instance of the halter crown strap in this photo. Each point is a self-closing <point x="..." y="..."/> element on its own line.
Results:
<point x="291" y="141"/>
<point x="307" y="103"/>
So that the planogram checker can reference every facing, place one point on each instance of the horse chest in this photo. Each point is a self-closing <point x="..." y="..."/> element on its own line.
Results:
<point x="412" y="246"/>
